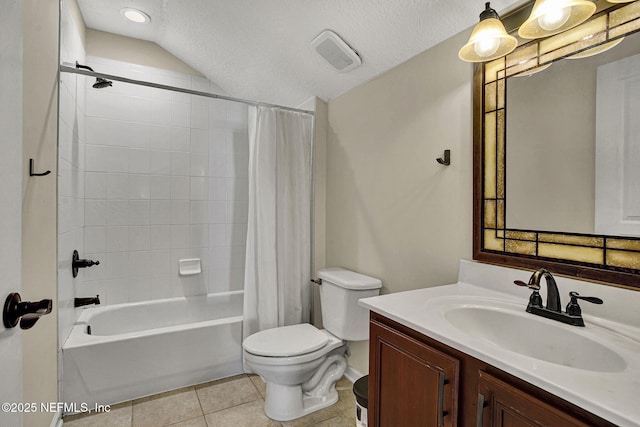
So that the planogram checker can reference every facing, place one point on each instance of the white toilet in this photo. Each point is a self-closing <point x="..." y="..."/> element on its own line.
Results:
<point x="301" y="363"/>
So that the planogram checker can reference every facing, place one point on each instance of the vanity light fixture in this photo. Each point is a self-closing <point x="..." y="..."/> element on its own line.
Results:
<point x="135" y="15"/>
<point x="620" y="1"/>
<point x="549" y="17"/>
<point x="489" y="39"/>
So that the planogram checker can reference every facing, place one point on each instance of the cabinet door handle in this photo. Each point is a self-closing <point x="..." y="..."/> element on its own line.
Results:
<point x="441" y="413"/>
<point x="480" y="413"/>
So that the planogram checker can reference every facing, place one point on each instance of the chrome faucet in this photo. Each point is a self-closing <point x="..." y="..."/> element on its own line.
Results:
<point x="573" y="314"/>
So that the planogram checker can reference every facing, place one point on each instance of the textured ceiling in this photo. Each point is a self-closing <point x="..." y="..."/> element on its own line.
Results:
<point x="259" y="49"/>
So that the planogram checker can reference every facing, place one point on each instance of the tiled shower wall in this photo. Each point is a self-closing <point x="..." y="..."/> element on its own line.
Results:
<point x="166" y="179"/>
<point x="71" y="175"/>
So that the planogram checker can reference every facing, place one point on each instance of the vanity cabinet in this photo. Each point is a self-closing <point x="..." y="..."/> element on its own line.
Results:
<point x="417" y="381"/>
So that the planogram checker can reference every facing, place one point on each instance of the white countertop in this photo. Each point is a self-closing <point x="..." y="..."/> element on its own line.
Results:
<point x="616" y="325"/>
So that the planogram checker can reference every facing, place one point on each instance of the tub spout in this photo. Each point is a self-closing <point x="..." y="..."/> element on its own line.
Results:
<point x="79" y="302"/>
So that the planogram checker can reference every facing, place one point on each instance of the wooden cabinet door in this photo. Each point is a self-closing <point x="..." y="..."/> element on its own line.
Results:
<point x="410" y="383"/>
<point x="502" y="405"/>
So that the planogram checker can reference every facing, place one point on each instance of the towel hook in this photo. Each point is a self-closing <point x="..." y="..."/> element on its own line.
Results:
<point x="33" y="173"/>
<point x="447" y="158"/>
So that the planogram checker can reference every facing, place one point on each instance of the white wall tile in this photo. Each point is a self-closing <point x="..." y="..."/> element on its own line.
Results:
<point x="199" y="212"/>
<point x="199" y="236"/>
<point x="117" y="239"/>
<point x="180" y="139"/>
<point x="117" y="212"/>
<point x="164" y="181"/>
<point x="95" y="185"/>
<point x="160" y="212"/>
<point x="139" y="161"/>
<point x="159" y="137"/>
<point x="199" y="164"/>
<point x="200" y="141"/>
<point x="180" y="211"/>
<point x="199" y="188"/>
<point x="95" y="213"/>
<point x="180" y="114"/>
<point x="117" y="186"/>
<point x="160" y="237"/>
<point x="139" y="213"/>
<point x="160" y="262"/>
<point x="180" y="187"/>
<point x="139" y="238"/>
<point x="95" y="239"/>
<point x="139" y="187"/>
<point x="218" y="212"/>
<point x="180" y="163"/>
<point x="160" y="162"/>
<point x="199" y="112"/>
<point x="160" y="187"/>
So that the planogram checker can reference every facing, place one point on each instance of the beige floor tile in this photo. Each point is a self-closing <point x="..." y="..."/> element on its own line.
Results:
<point x="118" y="416"/>
<point x="343" y="420"/>
<point x="166" y="408"/>
<point x="249" y="414"/>
<point x="196" y="422"/>
<point x="260" y="385"/>
<point x="344" y="384"/>
<point x="227" y="393"/>
<point x="345" y="402"/>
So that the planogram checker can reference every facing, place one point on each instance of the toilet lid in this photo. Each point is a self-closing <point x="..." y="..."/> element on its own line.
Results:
<point x="286" y="341"/>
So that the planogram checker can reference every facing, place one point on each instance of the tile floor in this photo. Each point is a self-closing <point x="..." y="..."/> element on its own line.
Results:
<point x="237" y="402"/>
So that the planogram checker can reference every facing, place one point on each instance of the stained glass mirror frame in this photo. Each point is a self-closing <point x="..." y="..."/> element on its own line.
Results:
<point x="608" y="259"/>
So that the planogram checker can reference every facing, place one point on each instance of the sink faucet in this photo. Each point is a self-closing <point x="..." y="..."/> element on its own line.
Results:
<point x="573" y="314"/>
<point x="553" y="296"/>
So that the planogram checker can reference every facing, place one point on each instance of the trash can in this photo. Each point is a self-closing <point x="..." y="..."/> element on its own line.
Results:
<point x="361" y="390"/>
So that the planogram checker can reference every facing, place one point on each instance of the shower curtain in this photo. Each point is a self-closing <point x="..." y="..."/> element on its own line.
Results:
<point x="277" y="290"/>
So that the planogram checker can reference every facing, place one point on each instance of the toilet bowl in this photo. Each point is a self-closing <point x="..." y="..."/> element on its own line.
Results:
<point x="300" y="370"/>
<point x="300" y="363"/>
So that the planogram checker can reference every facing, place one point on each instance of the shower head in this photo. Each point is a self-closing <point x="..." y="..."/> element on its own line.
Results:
<point x="100" y="82"/>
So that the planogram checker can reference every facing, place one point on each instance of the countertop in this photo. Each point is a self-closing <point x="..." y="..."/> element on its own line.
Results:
<point x="609" y="395"/>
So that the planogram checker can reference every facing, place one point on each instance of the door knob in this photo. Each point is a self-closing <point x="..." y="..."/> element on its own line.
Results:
<point x="27" y="313"/>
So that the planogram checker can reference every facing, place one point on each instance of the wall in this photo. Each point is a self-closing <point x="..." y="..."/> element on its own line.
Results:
<point x="166" y="179"/>
<point x="320" y="125"/>
<point x="40" y="118"/>
<point x="393" y="212"/>
<point x="135" y="51"/>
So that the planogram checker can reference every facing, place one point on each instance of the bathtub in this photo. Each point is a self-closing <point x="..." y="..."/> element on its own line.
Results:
<point x="126" y="351"/>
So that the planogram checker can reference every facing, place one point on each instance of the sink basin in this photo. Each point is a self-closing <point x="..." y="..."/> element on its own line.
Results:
<point x="513" y="329"/>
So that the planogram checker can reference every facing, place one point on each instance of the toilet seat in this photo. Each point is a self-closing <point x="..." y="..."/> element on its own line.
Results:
<point x="289" y="345"/>
<point x="286" y="341"/>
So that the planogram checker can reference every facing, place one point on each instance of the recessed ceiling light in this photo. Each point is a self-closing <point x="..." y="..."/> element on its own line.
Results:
<point x="135" y="15"/>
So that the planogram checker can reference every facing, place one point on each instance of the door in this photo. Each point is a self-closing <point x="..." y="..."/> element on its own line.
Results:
<point x="618" y="148"/>
<point x="411" y="383"/>
<point x="502" y="405"/>
<point x="11" y="201"/>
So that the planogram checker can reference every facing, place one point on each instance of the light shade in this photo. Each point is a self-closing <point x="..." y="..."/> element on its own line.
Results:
<point x="620" y="1"/>
<point x="135" y="15"/>
<point x="489" y="40"/>
<point x="550" y="17"/>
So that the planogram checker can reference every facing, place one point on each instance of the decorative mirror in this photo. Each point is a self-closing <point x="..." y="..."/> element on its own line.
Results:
<point x="586" y="221"/>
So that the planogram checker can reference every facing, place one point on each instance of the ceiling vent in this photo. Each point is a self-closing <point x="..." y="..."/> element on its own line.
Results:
<point x="336" y="52"/>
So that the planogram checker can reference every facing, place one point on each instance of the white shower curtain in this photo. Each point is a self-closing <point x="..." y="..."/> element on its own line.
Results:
<point x="277" y="267"/>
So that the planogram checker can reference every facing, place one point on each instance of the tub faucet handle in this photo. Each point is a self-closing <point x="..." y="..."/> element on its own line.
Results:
<point x="77" y="263"/>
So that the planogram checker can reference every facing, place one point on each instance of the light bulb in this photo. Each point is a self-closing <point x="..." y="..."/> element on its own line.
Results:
<point x="554" y="18"/>
<point x="486" y="46"/>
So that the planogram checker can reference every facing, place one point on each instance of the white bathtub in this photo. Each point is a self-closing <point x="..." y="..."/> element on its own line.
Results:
<point x="139" y="349"/>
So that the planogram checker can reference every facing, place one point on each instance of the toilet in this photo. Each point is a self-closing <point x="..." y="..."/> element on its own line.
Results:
<point x="300" y="363"/>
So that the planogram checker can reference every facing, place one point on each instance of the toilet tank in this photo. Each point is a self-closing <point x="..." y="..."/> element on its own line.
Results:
<point x="339" y="294"/>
